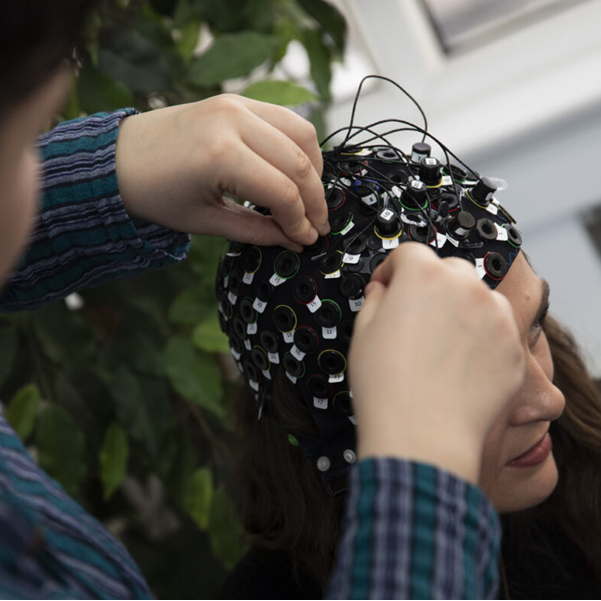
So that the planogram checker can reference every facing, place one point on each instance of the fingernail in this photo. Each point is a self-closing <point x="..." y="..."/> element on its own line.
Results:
<point x="324" y="230"/>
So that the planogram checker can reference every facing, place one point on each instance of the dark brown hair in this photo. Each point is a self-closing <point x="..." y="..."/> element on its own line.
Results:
<point x="35" y="36"/>
<point x="284" y="505"/>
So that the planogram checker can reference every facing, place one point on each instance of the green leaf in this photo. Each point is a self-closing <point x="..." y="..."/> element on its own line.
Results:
<point x="142" y="406"/>
<point x="98" y="92"/>
<point x="225" y="530"/>
<point x="23" y="409"/>
<point x="191" y="304"/>
<point x="329" y="18"/>
<point x="189" y="34"/>
<point x="208" y="337"/>
<point x="230" y="56"/>
<point x="113" y="459"/>
<point x="8" y="349"/>
<point x="284" y="93"/>
<point x="198" y="495"/>
<point x="193" y="375"/>
<point x="61" y="448"/>
<point x="320" y="61"/>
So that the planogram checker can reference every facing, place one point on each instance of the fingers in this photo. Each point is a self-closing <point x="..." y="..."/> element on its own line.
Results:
<point x="258" y="181"/>
<point x="287" y="156"/>
<point x="230" y="220"/>
<point x="374" y="294"/>
<point x="292" y="125"/>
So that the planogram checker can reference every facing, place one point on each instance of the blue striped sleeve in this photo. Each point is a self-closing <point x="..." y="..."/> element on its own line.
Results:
<point x="413" y="531"/>
<point x="83" y="236"/>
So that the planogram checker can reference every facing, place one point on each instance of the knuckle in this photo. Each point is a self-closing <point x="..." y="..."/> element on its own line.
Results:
<point x="290" y="195"/>
<point x="303" y="165"/>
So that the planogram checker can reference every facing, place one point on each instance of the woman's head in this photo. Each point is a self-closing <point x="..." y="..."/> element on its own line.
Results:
<point x="36" y="36"/>
<point x="294" y="312"/>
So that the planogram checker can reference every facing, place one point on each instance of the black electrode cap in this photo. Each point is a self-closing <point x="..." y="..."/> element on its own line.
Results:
<point x="251" y="259"/>
<point x="346" y="330"/>
<point x="235" y="283"/>
<point x="388" y="154"/>
<point x="293" y="366"/>
<point x="421" y="233"/>
<point x="486" y="229"/>
<point x="269" y="341"/>
<point x="351" y="285"/>
<point x="260" y="358"/>
<point x="373" y="242"/>
<point x="483" y="191"/>
<point x="450" y="199"/>
<point x="367" y="192"/>
<point x="328" y="315"/>
<point x="388" y="223"/>
<point x="239" y="327"/>
<point x="495" y="265"/>
<point x="236" y="247"/>
<point x="430" y="171"/>
<point x="305" y="339"/>
<point x="305" y="289"/>
<point x="328" y="174"/>
<point x="339" y="220"/>
<point x="265" y="291"/>
<point x="514" y="235"/>
<point x="237" y="344"/>
<point x="250" y="370"/>
<point x="247" y="311"/>
<point x="342" y="402"/>
<point x="330" y="262"/>
<point x="317" y="248"/>
<point x="286" y="264"/>
<point x="420" y="150"/>
<point x="319" y="387"/>
<point x="356" y="245"/>
<point x="352" y="167"/>
<point x="415" y="196"/>
<point x="222" y="322"/>
<point x="461" y="225"/>
<point x="335" y="198"/>
<point x="332" y="362"/>
<point x="376" y="260"/>
<point x="399" y="176"/>
<point x="284" y="318"/>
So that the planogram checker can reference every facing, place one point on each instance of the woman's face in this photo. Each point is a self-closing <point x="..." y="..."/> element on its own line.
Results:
<point x="518" y="469"/>
<point x="19" y="165"/>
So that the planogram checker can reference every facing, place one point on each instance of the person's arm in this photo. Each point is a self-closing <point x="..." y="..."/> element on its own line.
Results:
<point x="413" y="531"/>
<point x="83" y="235"/>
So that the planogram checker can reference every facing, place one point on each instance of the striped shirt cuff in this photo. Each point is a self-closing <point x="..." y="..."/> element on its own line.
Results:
<point x="83" y="236"/>
<point x="413" y="531"/>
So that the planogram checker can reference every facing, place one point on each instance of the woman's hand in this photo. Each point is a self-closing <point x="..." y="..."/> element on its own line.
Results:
<point x="435" y="357"/>
<point x="175" y="164"/>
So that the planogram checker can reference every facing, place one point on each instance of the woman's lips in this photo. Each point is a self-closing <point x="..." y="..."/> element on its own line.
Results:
<point x="537" y="454"/>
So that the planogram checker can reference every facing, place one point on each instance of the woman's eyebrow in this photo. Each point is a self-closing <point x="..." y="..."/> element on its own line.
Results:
<point x="544" y="304"/>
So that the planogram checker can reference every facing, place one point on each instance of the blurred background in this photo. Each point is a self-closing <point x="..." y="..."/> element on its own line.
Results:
<point x="123" y="392"/>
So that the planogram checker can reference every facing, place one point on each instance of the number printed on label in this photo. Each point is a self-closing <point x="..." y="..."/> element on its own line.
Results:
<point x="291" y="378"/>
<point x="296" y="352"/>
<point x="501" y="233"/>
<point x="276" y="280"/>
<point x="328" y="333"/>
<point x="390" y="244"/>
<point x="491" y="208"/>
<point x="252" y="328"/>
<point x="356" y="303"/>
<point x="248" y="277"/>
<point x="351" y="259"/>
<point x="289" y="337"/>
<point x="336" y="378"/>
<point x="480" y="267"/>
<point x="314" y="304"/>
<point x="441" y="238"/>
<point x="274" y="357"/>
<point x="387" y="214"/>
<point x="232" y="298"/>
<point x="348" y="228"/>
<point x="332" y="276"/>
<point x="259" y="305"/>
<point x="247" y="344"/>
<point x="320" y="403"/>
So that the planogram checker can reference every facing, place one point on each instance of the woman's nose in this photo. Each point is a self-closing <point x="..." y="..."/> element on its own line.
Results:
<point x="538" y="399"/>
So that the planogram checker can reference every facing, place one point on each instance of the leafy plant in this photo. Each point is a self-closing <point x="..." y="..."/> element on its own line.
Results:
<point x="126" y="401"/>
